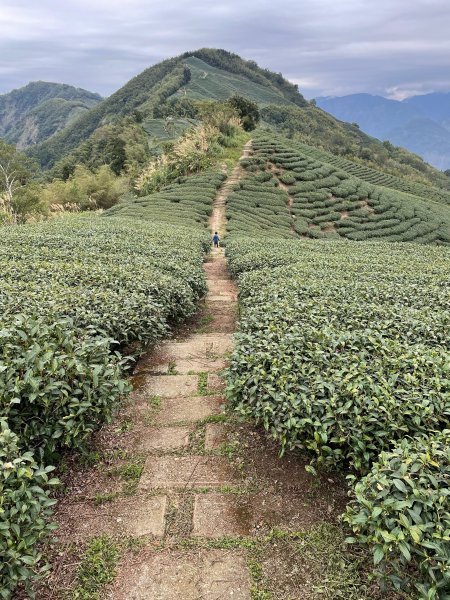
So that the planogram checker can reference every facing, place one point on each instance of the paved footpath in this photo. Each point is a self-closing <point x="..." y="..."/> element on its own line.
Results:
<point x="183" y="484"/>
<point x="184" y="474"/>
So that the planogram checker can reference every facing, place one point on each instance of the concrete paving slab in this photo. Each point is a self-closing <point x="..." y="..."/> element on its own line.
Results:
<point x="190" y="410"/>
<point x="137" y="516"/>
<point x="166" y="438"/>
<point x="171" y="386"/>
<point x="189" y="575"/>
<point x="187" y="472"/>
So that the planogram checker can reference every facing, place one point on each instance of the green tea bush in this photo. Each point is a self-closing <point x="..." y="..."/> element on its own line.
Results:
<point x="57" y="383"/>
<point x="401" y="508"/>
<point x="25" y="507"/>
<point x="94" y="286"/>
<point x="314" y="177"/>
<point x="344" y="351"/>
<point x="342" y="396"/>
<point x="341" y="362"/>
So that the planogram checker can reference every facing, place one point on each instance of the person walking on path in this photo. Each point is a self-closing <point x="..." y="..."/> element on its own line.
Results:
<point x="216" y="240"/>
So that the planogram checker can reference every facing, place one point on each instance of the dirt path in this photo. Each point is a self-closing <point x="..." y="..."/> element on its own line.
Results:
<point x="217" y="220"/>
<point x="195" y="492"/>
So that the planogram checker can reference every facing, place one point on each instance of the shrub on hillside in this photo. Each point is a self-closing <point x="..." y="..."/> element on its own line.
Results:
<point x="85" y="190"/>
<point x="401" y="508"/>
<point x="194" y="151"/>
<point x="57" y="383"/>
<point x="24" y="511"/>
<point x="247" y="110"/>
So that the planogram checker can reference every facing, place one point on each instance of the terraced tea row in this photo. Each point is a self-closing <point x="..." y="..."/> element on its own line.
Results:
<point x="187" y="203"/>
<point x="370" y="175"/>
<point x="320" y="200"/>
<point x="343" y="351"/>
<point x="258" y="207"/>
<point x="76" y="295"/>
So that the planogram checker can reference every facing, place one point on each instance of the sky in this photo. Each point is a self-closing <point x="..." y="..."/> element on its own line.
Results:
<point x="395" y="48"/>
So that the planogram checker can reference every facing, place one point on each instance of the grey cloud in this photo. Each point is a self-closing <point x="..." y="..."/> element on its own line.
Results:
<point x="390" y="47"/>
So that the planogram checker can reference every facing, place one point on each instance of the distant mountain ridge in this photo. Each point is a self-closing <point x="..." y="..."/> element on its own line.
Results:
<point x="420" y="123"/>
<point x="33" y="113"/>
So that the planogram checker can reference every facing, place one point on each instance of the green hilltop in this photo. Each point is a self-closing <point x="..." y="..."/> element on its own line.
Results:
<point x="211" y="74"/>
<point x="227" y="74"/>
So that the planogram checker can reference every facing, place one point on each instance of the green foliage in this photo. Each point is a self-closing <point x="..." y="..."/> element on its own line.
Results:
<point x="220" y="79"/>
<point x="97" y="568"/>
<point x="343" y="351"/>
<point x="57" y="383"/>
<point x="181" y="107"/>
<point x="196" y="150"/>
<point x="85" y="190"/>
<point x="341" y="362"/>
<point x="61" y="365"/>
<point x="58" y="377"/>
<point x="141" y="97"/>
<point x="19" y="196"/>
<point x="25" y="507"/>
<point x="258" y="207"/>
<point x="401" y="509"/>
<point x="247" y="110"/>
<point x="123" y="146"/>
<point x="152" y="86"/>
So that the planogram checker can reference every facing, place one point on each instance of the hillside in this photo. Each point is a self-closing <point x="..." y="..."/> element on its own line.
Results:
<point x="32" y="114"/>
<point x="227" y="73"/>
<point x="419" y="123"/>
<point x="209" y="74"/>
<point x="341" y="357"/>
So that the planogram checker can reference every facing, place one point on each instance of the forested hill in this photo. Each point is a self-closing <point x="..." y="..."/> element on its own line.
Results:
<point x="33" y="113"/>
<point x="138" y="111"/>
<point x="226" y="74"/>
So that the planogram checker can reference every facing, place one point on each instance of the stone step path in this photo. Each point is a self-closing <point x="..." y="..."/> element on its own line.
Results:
<point x="185" y="377"/>
<point x="197" y="478"/>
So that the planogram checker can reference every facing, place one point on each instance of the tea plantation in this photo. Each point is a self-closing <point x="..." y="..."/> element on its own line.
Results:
<point x="207" y="81"/>
<point x="321" y="200"/>
<point x="343" y="351"/>
<point x="258" y="207"/>
<point x="188" y="202"/>
<point x="376" y="177"/>
<point x="80" y="298"/>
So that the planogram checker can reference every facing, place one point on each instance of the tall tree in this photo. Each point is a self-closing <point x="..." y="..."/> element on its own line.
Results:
<point x="248" y="111"/>
<point x="16" y="171"/>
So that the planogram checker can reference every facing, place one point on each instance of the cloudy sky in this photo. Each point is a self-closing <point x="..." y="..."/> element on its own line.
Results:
<point x="329" y="47"/>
